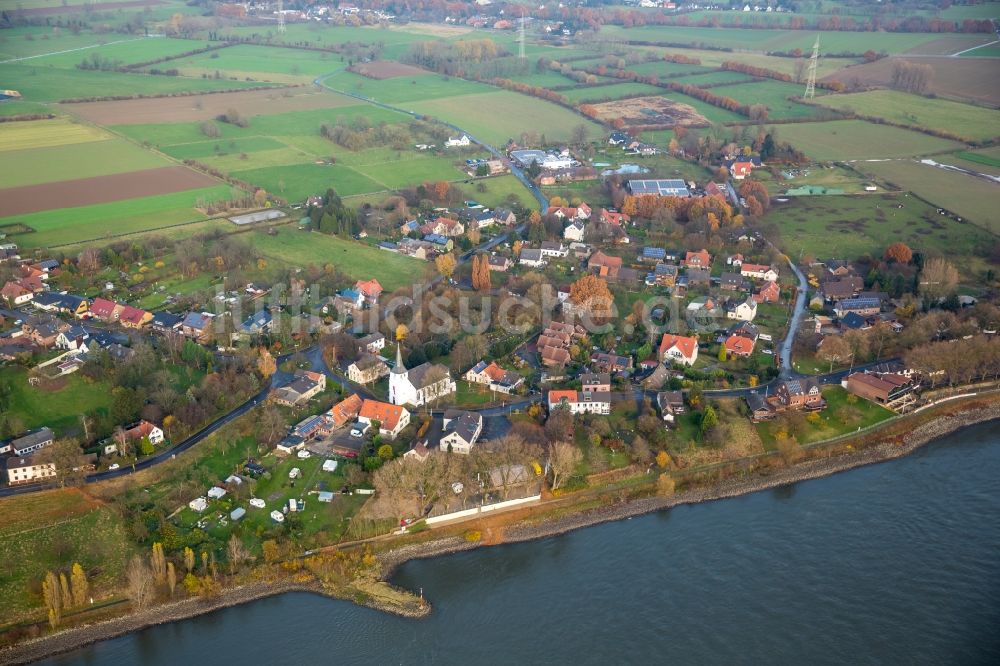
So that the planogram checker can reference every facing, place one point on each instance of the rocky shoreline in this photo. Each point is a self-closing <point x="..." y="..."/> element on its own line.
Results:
<point x="72" y="639"/>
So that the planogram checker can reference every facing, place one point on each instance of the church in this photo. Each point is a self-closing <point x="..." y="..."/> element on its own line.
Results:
<point x="424" y="383"/>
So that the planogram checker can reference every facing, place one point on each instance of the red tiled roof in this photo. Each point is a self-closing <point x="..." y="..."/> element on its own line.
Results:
<point x="703" y="255"/>
<point x="369" y="287"/>
<point x="345" y="410"/>
<point x="386" y="414"/>
<point x="736" y="344"/>
<point x="685" y="345"/>
<point x="131" y="315"/>
<point x="102" y="307"/>
<point x="558" y="396"/>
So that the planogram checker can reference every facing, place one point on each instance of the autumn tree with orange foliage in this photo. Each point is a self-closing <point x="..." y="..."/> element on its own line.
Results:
<point x="899" y="253"/>
<point x="592" y="293"/>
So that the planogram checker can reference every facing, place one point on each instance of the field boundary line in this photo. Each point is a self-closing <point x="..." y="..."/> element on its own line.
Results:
<point x="955" y="55"/>
<point x="82" y="48"/>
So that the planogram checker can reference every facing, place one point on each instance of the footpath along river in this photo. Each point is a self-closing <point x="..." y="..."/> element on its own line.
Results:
<point x="896" y="563"/>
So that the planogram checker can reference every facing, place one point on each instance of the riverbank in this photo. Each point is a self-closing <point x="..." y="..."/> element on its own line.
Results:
<point x="538" y="526"/>
<point x="761" y="480"/>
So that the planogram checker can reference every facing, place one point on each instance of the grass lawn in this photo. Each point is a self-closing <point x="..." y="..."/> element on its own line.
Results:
<point x="71" y="161"/>
<point x="66" y="226"/>
<point x="986" y="160"/>
<point x="59" y="410"/>
<point x="358" y="260"/>
<point x="49" y="532"/>
<point x="839" y="418"/>
<point x="259" y="62"/>
<point x="126" y="52"/>
<point x="500" y="191"/>
<point x="964" y="120"/>
<point x="852" y="226"/>
<point x="773" y="94"/>
<point x="973" y="198"/>
<point x="859" y="140"/>
<point x="297" y="182"/>
<point x="497" y="116"/>
<point x="468" y="394"/>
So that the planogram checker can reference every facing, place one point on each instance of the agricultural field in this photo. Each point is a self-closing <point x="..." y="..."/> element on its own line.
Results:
<point x="714" y="78"/>
<point x="845" y="140"/>
<point x="774" y="94"/>
<point x="357" y="260"/>
<point x="261" y="63"/>
<point x="57" y="406"/>
<point x="973" y="198"/>
<point x="125" y="51"/>
<point x="964" y="120"/>
<point x="711" y="59"/>
<point x="852" y="226"/>
<point x="986" y="160"/>
<point x="992" y="51"/>
<point x="611" y="92"/>
<point x="510" y="114"/>
<point x="70" y="226"/>
<point x="962" y="79"/>
<point x="662" y="68"/>
<point x="405" y="89"/>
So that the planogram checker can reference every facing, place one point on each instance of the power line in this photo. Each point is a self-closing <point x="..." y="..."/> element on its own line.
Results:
<point x="813" y="66"/>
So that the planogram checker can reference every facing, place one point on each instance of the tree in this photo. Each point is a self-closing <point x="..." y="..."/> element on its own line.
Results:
<point x="662" y="459"/>
<point x="401" y="332"/>
<point x="236" y="553"/>
<point x="709" y="419"/>
<point x="270" y="550"/>
<point x="188" y="559"/>
<point x="563" y="459"/>
<point x="139" y="582"/>
<point x="665" y="485"/>
<point x="722" y="353"/>
<point x="64" y="592"/>
<point x="260" y="198"/>
<point x="445" y="264"/>
<point x="171" y="577"/>
<point x="899" y="253"/>
<point x="592" y="293"/>
<point x="834" y="349"/>
<point x="385" y="452"/>
<point x="81" y="588"/>
<point x="266" y="365"/>
<point x="938" y="279"/>
<point x="67" y="457"/>
<point x="53" y="598"/>
<point x="158" y="563"/>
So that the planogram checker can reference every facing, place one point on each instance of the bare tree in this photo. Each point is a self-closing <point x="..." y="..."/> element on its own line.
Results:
<point x="236" y="553"/>
<point x="139" y="582"/>
<point x="563" y="459"/>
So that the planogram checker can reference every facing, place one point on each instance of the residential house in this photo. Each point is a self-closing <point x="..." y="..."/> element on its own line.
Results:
<point x="392" y="418"/>
<point x="494" y="376"/>
<point x="580" y="402"/>
<point x="409" y="227"/>
<point x="458" y="141"/>
<point x="738" y="346"/>
<point x="439" y="243"/>
<point x="619" y="139"/>
<point x="26" y="444"/>
<point x="887" y="389"/>
<point x="742" y="310"/>
<point x="596" y="382"/>
<point x="581" y="250"/>
<point x="499" y="262"/>
<point x="613" y="218"/>
<point x="698" y="277"/>
<point x="197" y="325"/>
<point x="49" y="301"/>
<point x="760" y="409"/>
<point x="678" y="349"/>
<point x="371" y="343"/>
<point x="532" y="257"/>
<point x="839" y="268"/>
<point x="741" y="167"/>
<point x="801" y="394"/>
<point x="344" y="411"/>
<point x="348" y="300"/>
<point x="611" y="363"/>
<point x="732" y="282"/>
<point x="483" y="219"/>
<point x="735" y="260"/>
<point x="604" y="265"/>
<point x="745" y="329"/>
<point x="553" y="249"/>
<point x="769" y="293"/>
<point x="304" y="386"/>
<point x="418" y="452"/>
<point x="425" y="383"/>
<point x="26" y="469"/>
<point x="670" y="404"/>
<point x="137" y="431"/>
<point x="134" y="318"/>
<point x="367" y="369"/>
<point x="43" y="329"/>
<point x="461" y="431"/>
<point x="73" y="339"/>
<point x="257" y="323"/>
<point x="16" y="294"/>
<point x="842" y="288"/>
<point x="166" y="322"/>
<point x="700" y="259"/>
<point x="505" y="217"/>
<point x="105" y="310"/>
<point x="370" y="290"/>
<point x="575" y="231"/>
<point x="861" y="306"/>
<point x="759" y="272"/>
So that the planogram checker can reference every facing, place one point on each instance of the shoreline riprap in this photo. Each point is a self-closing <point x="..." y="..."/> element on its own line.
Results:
<point x="77" y="637"/>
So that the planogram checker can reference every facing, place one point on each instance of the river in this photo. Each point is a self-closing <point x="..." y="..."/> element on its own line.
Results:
<point x="897" y="563"/>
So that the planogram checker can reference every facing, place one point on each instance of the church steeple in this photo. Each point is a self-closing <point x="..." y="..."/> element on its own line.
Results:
<point x="399" y="368"/>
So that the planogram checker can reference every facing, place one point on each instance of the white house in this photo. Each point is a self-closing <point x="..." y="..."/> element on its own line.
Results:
<point x="581" y="402"/>
<point x="743" y="311"/>
<point x="458" y="141"/>
<point x="759" y="271"/>
<point x="575" y="231"/>
<point x="553" y="249"/>
<point x="678" y="349"/>
<point x="424" y="383"/>
<point x="462" y="430"/>
<point x="392" y="418"/>
<point x="27" y="470"/>
<point x="532" y="257"/>
<point x="73" y="339"/>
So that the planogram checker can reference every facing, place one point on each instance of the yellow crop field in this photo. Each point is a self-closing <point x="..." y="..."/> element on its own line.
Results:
<point x="46" y="133"/>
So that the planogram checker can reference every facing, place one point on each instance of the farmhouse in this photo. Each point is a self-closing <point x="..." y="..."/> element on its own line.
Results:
<point x="424" y="383"/>
<point x="392" y="418"/>
<point x="367" y="369"/>
<point x="604" y="265"/>
<point x="305" y="385"/>
<point x="740" y="167"/>
<point x="678" y="349"/>
<point x="29" y="443"/>
<point x="345" y="411"/>
<point x="462" y="430"/>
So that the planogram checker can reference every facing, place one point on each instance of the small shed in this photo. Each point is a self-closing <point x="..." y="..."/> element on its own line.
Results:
<point x="237" y="513"/>
<point x="329" y="465"/>
<point x="325" y="496"/>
